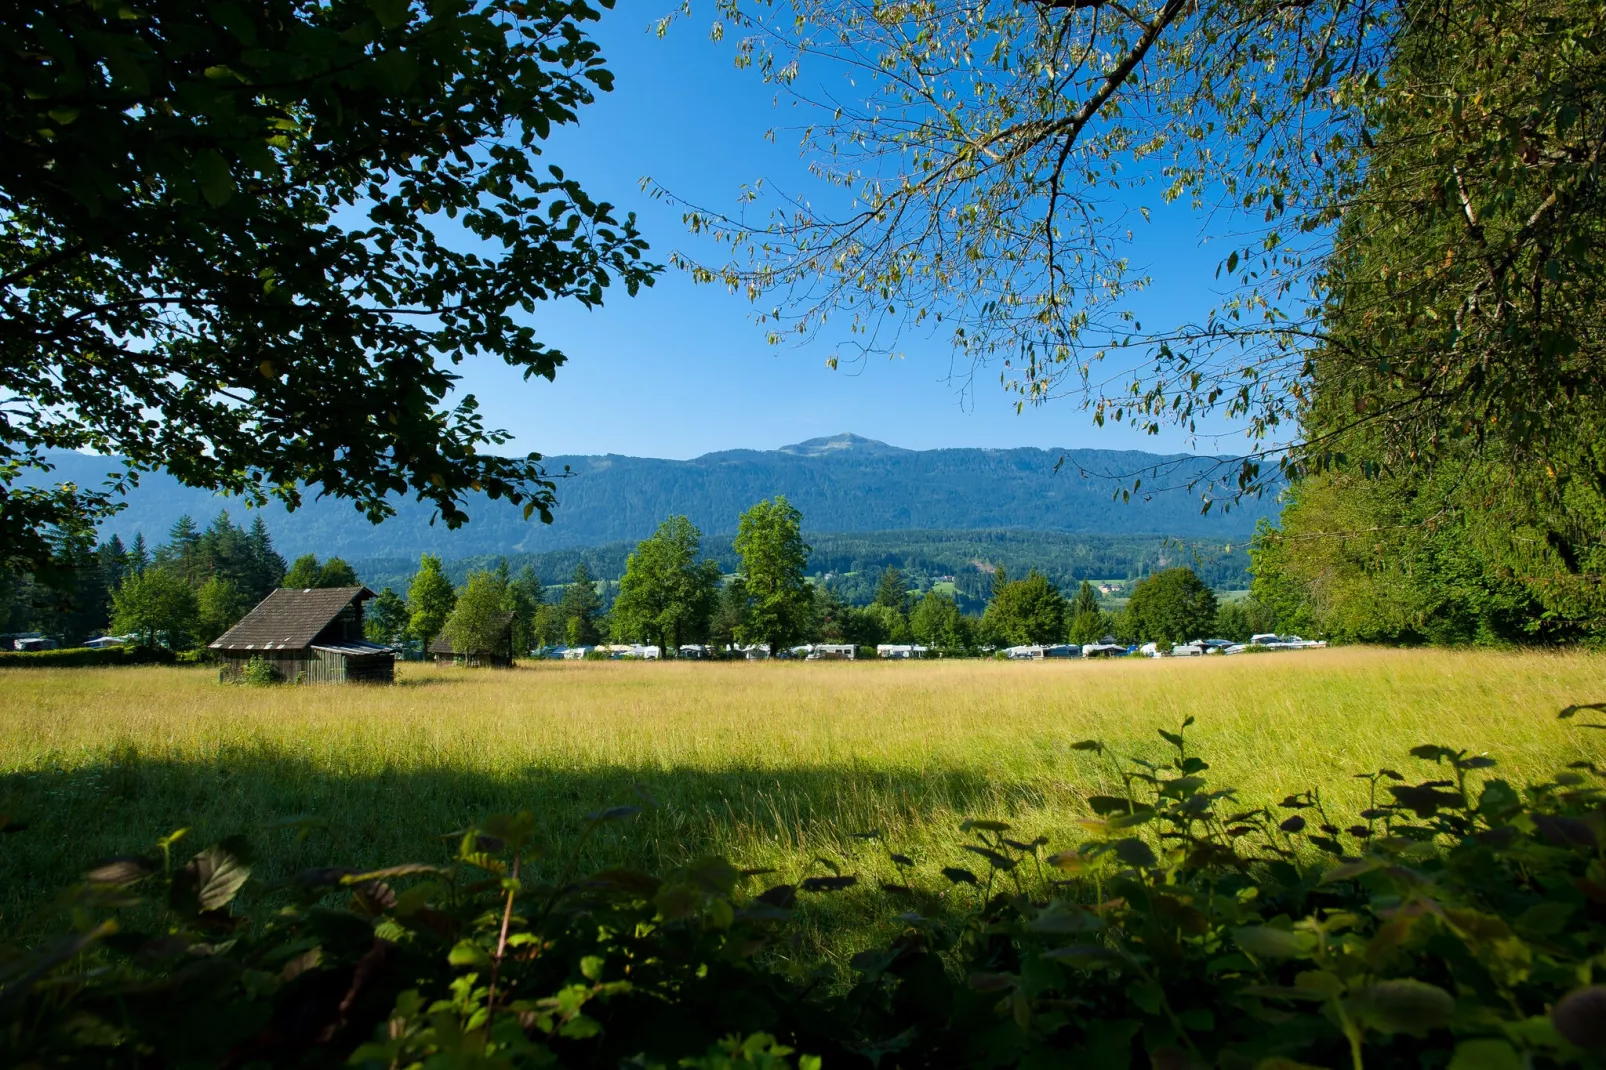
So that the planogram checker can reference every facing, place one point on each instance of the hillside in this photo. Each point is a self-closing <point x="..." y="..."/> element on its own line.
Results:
<point x="841" y="484"/>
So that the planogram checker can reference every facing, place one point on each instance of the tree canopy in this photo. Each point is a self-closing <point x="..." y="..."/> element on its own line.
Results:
<point x="1454" y="148"/>
<point x="481" y="623"/>
<point x="769" y="538"/>
<point x="1173" y="606"/>
<point x="1029" y="610"/>
<point x="232" y="244"/>
<point x="430" y="599"/>
<point x="667" y="595"/>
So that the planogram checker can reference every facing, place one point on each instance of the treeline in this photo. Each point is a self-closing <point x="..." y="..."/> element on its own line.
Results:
<point x="671" y="594"/>
<point x="183" y="593"/>
<point x="765" y="585"/>
<point x="852" y="562"/>
<point x="1453" y="486"/>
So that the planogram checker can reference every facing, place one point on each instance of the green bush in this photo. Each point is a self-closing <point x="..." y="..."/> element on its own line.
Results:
<point x="85" y="656"/>
<point x="258" y="672"/>
<point x="1456" y="922"/>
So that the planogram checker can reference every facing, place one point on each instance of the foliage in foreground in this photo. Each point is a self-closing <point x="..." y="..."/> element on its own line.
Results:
<point x="1457" y="921"/>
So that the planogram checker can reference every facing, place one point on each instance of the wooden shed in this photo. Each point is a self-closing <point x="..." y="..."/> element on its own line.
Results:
<point x="500" y="657"/>
<point x="312" y="635"/>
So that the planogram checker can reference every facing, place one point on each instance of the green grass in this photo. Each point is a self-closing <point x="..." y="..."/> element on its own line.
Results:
<point x="773" y="765"/>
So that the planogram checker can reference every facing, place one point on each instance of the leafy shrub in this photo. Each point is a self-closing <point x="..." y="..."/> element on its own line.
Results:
<point x="258" y="672"/>
<point x="79" y="657"/>
<point x="1456" y="921"/>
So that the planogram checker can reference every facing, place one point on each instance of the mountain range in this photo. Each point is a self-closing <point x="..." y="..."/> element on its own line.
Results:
<point x="843" y="483"/>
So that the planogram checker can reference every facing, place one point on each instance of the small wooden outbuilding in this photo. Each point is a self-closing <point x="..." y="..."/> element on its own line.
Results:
<point x="500" y="656"/>
<point x="313" y="635"/>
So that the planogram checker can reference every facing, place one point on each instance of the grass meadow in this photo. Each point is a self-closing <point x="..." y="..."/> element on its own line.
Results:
<point x="772" y="765"/>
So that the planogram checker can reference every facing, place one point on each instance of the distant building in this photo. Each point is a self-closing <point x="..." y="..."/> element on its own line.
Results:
<point x="498" y="656"/>
<point x="312" y="635"/>
<point x="34" y="642"/>
<point x="104" y="641"/>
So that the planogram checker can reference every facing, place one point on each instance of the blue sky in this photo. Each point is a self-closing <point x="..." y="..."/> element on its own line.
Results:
<point x="682" y="370"/>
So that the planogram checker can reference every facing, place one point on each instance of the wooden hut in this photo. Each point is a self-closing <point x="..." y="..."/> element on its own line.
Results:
<point x="500" y="656"/>
<point x="313" y="635"/>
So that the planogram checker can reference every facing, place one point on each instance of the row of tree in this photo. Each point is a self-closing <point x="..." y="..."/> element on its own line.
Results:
<point x="199" y="583"/>
<point x="184" y="592"/>
<point x="671" y="595"/>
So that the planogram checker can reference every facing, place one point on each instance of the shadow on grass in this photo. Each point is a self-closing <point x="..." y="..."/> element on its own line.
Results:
<point x="785" y="818"/>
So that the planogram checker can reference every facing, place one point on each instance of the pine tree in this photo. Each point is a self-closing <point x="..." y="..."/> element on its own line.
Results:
<point x="182" y="554"/>
<point x="525" y="597"/>
<point x="138" y="556"/>
<point x="892" y="590"/>
<point x="266" y="570"/>
<point x="581" y="608"/>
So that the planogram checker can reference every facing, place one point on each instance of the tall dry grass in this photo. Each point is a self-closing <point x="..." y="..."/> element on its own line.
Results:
<point x="774" y="765"/>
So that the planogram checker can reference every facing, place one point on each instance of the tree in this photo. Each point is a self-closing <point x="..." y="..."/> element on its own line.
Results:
<point x="666" y="595"/>
<point x="157" y="605"/>
<point x="138" y="556"/>
<point x="430" y="599"/>
<point x="265" y="568"/>
<point x="581" y="608"/>
<point x="937" y="622"/>
<point x="730" y="614"/>
<point x="306" y="572"/>
<point x="336" y="573"/>
<point x="769" y="538"/>
<point x="479" y="624"/>
<point x="219" y="603"/>
<point x="385" y="618"/>
<point x="525" y="598"/>
<point x="1174" y="606"/>
<point x="303" y="573"/>
<point x="242" y="259"/>
<point x="885" y="623"/>
<point x="1453" y="133"/>
<point x="1089" y="622"/>
<point x="1031" y="610"/>
<point x="182" y="552"/>
<point x="892" y="590"/>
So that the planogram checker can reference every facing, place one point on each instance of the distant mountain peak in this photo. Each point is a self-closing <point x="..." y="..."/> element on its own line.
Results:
<point x="821" y="447"/>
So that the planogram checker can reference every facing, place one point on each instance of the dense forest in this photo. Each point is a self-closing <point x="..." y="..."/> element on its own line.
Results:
<point x="1453" y="485"/>
<point x="862" y="486"/>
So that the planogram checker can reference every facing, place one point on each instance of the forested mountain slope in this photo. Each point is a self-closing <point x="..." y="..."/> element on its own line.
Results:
<point x="841" y="484"/>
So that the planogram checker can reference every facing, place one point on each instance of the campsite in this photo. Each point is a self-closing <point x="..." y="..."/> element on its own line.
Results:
<point x="803" y="535"/>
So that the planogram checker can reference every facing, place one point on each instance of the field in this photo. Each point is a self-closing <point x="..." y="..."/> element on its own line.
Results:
<point x="772" y="765"/>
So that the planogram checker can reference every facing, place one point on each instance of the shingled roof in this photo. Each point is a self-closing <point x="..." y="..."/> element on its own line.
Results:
<point x="289" y="618"/>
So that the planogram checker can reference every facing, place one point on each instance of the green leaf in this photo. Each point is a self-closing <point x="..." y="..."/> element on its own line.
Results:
<point x="1487" y="1053"/>
<point x="1267" y="942"/>
<point x="215" y="877"/>
<point x="213" y="175"/>
<point x="468" y="953"/>
<point x="391" y="13"/>
<point x="1136" y="853"/>
<point x="1404" y="1006"/>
